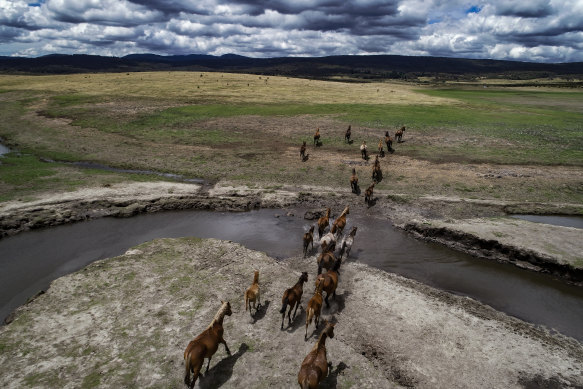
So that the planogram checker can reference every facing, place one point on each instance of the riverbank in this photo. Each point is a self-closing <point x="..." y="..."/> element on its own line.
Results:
<point x="477" y="227"/>
<point x="126" y="321"/>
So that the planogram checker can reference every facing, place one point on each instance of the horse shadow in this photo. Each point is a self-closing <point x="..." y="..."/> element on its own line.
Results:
<point x="332" y="380"/>
<point x="372" y="202"/>
<point x="305" y="157"/>
<point x="339" y="302"/>
<point x="356" y="190"/>
<point x="260" y="312"/>
<point x="350" y="141"/>
<point x="222" y="371"/>
<point x="319" y="143"/>
<point x="296" y="321"/>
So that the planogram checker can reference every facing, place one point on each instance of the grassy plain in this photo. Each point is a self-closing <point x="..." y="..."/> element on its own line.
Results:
<point x="478" y="142"/>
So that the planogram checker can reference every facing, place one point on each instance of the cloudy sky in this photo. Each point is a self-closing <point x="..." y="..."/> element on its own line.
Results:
<point x="523" y="30"/>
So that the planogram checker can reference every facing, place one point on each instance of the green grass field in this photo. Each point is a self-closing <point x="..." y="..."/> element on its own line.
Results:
<point x="238" y="127"/>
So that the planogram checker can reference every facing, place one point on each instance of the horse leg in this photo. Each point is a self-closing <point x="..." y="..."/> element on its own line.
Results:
<point x="226" y="348"/>
<point x="297" y="305"/>
<point x="196" y="372"/>
<point x="208" y="365"/>
<point x="326" y="301"/>
<point x="282" y="318"/>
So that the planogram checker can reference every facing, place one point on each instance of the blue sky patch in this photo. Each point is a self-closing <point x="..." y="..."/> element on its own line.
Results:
<point x="474" y="9"/>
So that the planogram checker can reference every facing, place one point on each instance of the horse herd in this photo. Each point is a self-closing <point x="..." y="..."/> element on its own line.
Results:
<point x="377" y="174"/>
<point x="314" y="367"/>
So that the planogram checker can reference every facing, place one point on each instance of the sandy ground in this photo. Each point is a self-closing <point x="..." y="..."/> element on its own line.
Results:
<point x="124" y="322"/>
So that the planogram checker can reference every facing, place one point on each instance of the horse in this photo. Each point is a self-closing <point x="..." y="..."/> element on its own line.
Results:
<point x="399" y="134"/>
<point x="291" y="297"/>
<point x="252" y="294"/>
<point x="303" y="151"/>
<point x="354" y="181"/>
<point x="317" y="137"/>
<point x="314" y="368"/>
<point x="323" y="222"/>
<point x="314" y="308"/>
<point x="205" y="345"/>
<point x="380" y="147"/>
<point x="368" y="194"/>
<point x="347" y="135"/>
<point x="330" y="280"/>
<point x="389" y="142"/>
<point x="308" y="238"/>
<point x="328" y="241"/>
<point x="326" y="260"/>
<point x="377" y="173"/>
<point x="340" y="221"/>
<point x="347" y="243"/>
<point x="363" y="151"/>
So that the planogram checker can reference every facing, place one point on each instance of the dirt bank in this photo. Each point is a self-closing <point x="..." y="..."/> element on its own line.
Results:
<point x="126" y="321"/>
<point x="475" y="226"/>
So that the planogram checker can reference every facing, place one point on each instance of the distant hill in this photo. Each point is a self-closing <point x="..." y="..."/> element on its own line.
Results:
<point x="355" y="67"/>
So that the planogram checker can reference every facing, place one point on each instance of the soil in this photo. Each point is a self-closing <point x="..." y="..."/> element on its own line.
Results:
<point x="125" y="322"/>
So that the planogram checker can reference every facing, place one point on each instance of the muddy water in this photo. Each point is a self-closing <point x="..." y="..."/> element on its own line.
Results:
<point x="564" y="221"/>
<point x="29" y="261"/>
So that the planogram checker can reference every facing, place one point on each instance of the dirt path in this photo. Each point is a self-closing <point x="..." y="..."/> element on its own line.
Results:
<point x="126" y="321"/>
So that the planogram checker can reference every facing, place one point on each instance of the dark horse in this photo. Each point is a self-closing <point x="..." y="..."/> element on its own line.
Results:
<point x="291" y="297"/>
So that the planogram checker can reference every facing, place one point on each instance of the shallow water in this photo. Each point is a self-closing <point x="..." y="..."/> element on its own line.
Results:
<point x="30" y="260"/>
<point x="4" y="149"/>
<point x="564" y="221"/>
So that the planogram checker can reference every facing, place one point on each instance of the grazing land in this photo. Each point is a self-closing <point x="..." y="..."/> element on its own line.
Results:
<point x="470" y="154"/>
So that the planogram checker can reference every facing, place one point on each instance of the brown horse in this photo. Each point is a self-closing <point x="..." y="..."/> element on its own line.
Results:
<point x="291" y="297"/>
<point x="389" y="142"/>
<point x="380" y="147"/>
<point x="317" y="137"/>
<point x="377" y="173"/>
<point x="314" y="308"/>
<point x="323" y="223"/>
<point x="303" y="151"/>
<point x="205" y="345"/>
<point x="252" y="294"/>
<point x="399" y="134"/>
<point x="368" y="194"/>
<point x="354" y="181"/>
<point x="340" y="222"/>
<point x="315" y="365"/>
<point x="326" y="259"/>
<point x="308" y="239"/>
<point x="330" y="280"/>
<point x="347" y="135"/>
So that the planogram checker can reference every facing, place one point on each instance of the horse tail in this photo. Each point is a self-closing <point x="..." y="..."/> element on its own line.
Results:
<point x="284" y="304"/>
<point x="305" y="384"/>
<point x="246" y="301"/>
<point x="320" y="268"/>
<point x="187" y="368"/>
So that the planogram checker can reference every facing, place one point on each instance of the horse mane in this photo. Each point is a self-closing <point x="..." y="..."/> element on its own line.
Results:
<point x="219" y="315"/>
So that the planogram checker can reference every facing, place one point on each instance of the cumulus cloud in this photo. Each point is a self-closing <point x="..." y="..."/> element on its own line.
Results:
<point x="537" y="30"/>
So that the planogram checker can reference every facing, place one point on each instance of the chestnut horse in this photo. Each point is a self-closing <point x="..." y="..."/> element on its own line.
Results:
<point x="389" y="142"/>
<point x="340" y="222"/>
<point x="308" y="239"/>
<point x="323" y="222"/>
<point x="205" y="345"/>
<point x="291" y="297"/>
<point x="354" y="181"/>
<point x="315" y="365"/>
<point x="330" y="280"/>
<point x="314" y="308"/>
<point x="347" y="135"/>
<point x="399" y="134"/>
<point x="252" y="294"/>
<point x="303" y="151"/>
<point x="368" y="194"/>
<point x="317" y="137"/>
